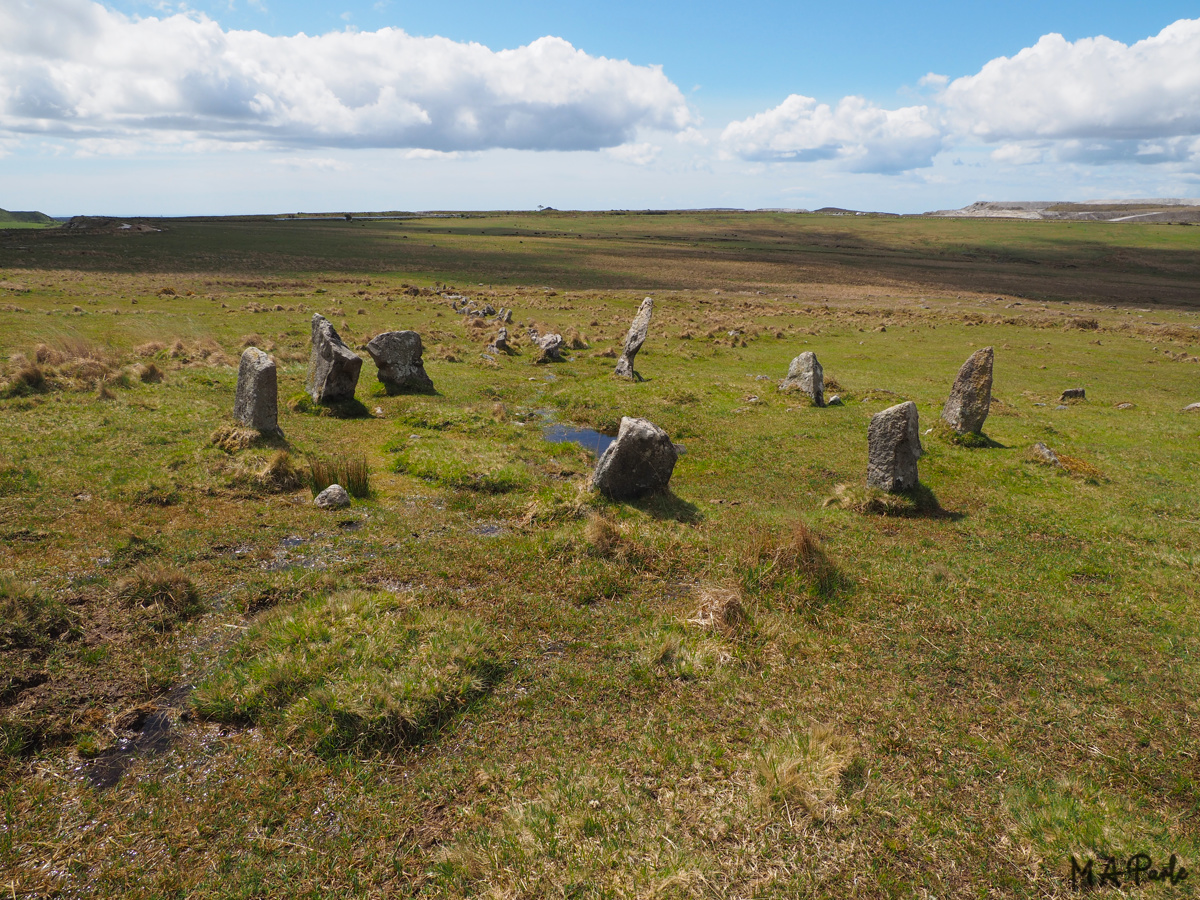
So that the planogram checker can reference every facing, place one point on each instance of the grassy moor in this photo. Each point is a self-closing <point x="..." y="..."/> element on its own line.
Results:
<point x="484" y="679"/>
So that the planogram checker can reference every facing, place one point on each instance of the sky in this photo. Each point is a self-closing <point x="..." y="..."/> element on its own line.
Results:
<point x="153" y="107"/>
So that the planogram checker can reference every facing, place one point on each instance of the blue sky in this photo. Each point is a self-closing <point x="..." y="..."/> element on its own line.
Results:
<point x="139" y="107"/>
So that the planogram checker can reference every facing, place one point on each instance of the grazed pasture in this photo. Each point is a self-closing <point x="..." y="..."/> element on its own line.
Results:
<point x="484" y="680"/>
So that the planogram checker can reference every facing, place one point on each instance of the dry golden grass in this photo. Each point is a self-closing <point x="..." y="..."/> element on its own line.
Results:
<point x="800" y="774"/>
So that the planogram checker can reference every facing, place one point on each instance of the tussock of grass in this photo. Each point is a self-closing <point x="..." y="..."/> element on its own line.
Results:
<point x="772" y="560"/>
<point x="971" y="439"/>
<point x="603" y="534"/>
<point x="278" y="474"/>
<point x="1081" y="468"/>
<point x="721" y="608"/>
<point x="347" y="409"/>
<point x="558" y="503"/>
<point x="801" y="773"/>
<point x="29" y="379"/>
<point x="348" y="470"/>
<point x="29" y="620"/>
<point x="163" y="591"/>
<point x="672" y="652"/>
<point x="234" y="438"/>
<point x="874" y="502"/>
<point x="353" y="672"/>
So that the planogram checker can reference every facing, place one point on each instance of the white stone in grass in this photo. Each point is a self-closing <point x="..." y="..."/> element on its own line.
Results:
<point x="333" y="497"/>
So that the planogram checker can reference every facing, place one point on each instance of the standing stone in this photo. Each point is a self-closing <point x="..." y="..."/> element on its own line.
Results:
<point x="256" y="403"/>
<point x="333" y="367"/>
<point x="635" y="339"/>
<point x="398" y="356"/>
<point x="893" y="448"/>
<point x="500" y="344"/>
<point x="639" y="462"/>
<point x="550" y="348"/>
<point x="970" y="399"/>
<point x="805" y="374"/>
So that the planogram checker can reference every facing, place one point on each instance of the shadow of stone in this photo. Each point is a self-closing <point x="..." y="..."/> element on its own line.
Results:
<point x="666" y="504"/>
<point x="919" y="503"/>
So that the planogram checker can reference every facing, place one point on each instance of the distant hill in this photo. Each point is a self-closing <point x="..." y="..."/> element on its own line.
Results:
<point x="1159" y="211"/>
<point x="24" y="218"/>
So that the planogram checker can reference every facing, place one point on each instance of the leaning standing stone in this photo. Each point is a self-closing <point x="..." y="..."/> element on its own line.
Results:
<point x="398" y="356"/>
<point x="893" y="448"/>
<point x="333" y="367"/>
<point x="805" y="374"/>
<point x="970" y="399"/>
<point x="256" y="403"/>
<point x="639" y="462"/>
<point x="635" y="339"/>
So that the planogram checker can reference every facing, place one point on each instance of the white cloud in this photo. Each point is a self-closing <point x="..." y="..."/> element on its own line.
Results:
<point x="311" y="164"/>
<point x="1092" y="88"/>
<point x="75" y="69"/>
<point x="1094" y="102"/>
<point x="864" y="137"/>
<point x="635" y="154"/>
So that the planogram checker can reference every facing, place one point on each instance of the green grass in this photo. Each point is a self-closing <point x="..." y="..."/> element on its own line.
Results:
<point x="485" y="679"/>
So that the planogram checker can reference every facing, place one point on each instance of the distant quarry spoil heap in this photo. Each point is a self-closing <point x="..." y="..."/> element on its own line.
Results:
<point x="893" y="448"/>
<point x="970" y="399"/>
<point x="639" y="462"/>
<point x="634" y="340"/>
<point x="806" y="376"/>
<point x="256" y="403"/>
<point x="333" y="367"/>
<point x="398" y="356"/>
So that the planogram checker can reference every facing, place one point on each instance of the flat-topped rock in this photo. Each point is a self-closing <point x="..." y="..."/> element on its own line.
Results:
<point x="806" y="375"/>
<point x="634" y="340"/>
<point x="332" y="366"/>
<point x="256" y="403"/>
<point x="970" y="399"/>
<point x="398" y="356"/>
<point x="893" y="448"/>
<point x="639" y="462"/>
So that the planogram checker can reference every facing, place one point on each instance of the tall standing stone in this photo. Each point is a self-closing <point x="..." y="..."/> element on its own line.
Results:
<point x="256" y="403"/>
<point x="639" y="462"/>
<point x="634" y="340"/>
<point x="398" y="356"/>
<point x="893" y="448"/>
<point x="970" y="399"/>
<point x="333" y="367"/>
<point x="806" y="375"/>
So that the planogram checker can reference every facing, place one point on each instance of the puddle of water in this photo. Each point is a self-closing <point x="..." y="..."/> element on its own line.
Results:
<point x="153" y="737"/>
<point x="587" y="438"/>
<point x="488" y="530"/>
<point x="293" y="541"/>
<point x="351" y="524"/>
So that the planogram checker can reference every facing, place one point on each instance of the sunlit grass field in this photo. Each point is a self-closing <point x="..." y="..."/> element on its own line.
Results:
<point x="483" y="679"/>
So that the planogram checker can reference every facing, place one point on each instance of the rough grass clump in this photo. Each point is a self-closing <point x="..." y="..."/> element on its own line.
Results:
<point x="234" y="438"/>
<point x="29" y="620"/>
<point x="348" y="470"/>
<point x="773" y="560"/>
<point x="29" y="379"/>
<point x="346" y="409"/>
<point x="972" y="439"/>
<point x="353" y="672"/>
<point x="163" y="591"/>
<point x="672" y="652"/>
<point x="603" y="535"/>
<point x="801" y="773"/>
<point x="871" y="501"/>
<point x="721" y="608"/>
<point x="1081" y="468"/>
<point x="278" y="474"/>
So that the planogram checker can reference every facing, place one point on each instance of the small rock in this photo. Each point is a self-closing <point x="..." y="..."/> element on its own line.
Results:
<point x="333" y="497"/>
<point x="639" y="462"/>
<point x="1194" y="407"/>
<point x="332" y="367"/>
<point x="500" y="343"/>
<point x="805" y="374"/>
<point x="1130" y="405"/>
<point x="1073" y="394"/>
<point x="256" y="403"/>
<point x="398" y="356"/>
<point x="970" y="399"/>
<point x="835" y="400"/>
<point x="1040" y="453"/>
<point x="1062" y="406"/>
<point x="893" y="448"/>
<point x="634" y="340"/>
